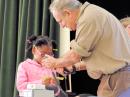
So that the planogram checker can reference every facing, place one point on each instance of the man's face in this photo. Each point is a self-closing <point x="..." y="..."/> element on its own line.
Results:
<point x="66" y="19"/>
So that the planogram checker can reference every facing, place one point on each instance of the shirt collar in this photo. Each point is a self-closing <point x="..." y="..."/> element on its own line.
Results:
<point x="33" y="62"/>
<point x="82" y="8"/>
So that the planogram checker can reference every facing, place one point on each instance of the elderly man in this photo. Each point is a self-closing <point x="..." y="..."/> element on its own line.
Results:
<point x="100" y="46"/>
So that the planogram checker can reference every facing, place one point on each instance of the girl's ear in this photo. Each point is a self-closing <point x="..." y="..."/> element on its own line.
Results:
<point x="33" y="50"/>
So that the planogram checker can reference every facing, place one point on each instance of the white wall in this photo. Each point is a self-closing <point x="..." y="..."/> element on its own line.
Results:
<point x="64" y="47"/>
<point x="64" y="40"/>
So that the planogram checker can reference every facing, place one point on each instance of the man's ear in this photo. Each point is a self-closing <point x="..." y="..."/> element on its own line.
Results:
<point x="67" y="11"/>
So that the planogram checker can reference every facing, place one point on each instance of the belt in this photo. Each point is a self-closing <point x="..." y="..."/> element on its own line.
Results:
<point x="126" y="68"/>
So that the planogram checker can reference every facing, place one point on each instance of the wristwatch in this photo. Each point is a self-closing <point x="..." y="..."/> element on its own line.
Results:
<point x="73" y="71"/>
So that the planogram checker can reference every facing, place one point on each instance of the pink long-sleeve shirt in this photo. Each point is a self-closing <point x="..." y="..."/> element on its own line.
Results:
<point x="30" y="71"/>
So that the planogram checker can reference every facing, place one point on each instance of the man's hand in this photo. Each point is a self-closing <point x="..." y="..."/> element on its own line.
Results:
<point x="49" y="61"/>
<point x="69" y="59"/>
<point x="80" y="66"/>
<point x="60" y="71"/>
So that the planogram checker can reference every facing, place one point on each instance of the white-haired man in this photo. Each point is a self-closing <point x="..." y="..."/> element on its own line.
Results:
<point x="100" y="46"/>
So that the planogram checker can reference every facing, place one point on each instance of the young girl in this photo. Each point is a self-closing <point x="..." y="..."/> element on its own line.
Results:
<point x="32" y="71"/>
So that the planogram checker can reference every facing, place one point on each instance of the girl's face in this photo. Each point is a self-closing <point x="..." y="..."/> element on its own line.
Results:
<point x="40" y="51"/>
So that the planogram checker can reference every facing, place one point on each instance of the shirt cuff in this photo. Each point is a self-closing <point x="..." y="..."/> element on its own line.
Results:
<point x="80" y="50"/>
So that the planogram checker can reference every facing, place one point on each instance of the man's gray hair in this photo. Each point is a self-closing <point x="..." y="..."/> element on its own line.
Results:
<point x="59" y="5"/>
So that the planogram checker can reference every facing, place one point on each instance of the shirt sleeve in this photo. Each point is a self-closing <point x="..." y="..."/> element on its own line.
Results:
<point x="87" y="35"/>
<point x="21" y="81"/>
